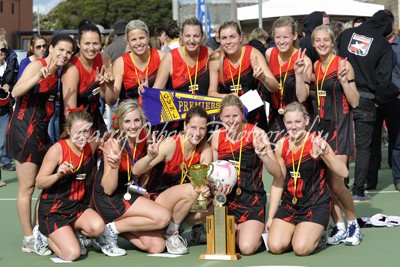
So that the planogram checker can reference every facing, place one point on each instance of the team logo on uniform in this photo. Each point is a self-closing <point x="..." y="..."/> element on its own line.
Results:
<point x="359" y="45"/>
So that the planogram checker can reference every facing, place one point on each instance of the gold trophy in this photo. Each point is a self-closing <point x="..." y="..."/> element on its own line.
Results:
<point x="198" y="177"/>
<point x="221" y="233"/>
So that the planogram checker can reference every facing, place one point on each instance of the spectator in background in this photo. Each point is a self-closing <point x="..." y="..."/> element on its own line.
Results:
<point x="358" y="21"/>
<point x="162" y="36"/>
<point x="8" y="77"/>
<point x="118" y="47"/>
<point x="213" y="42"/>
<point x="258" y="39"/>
<point x="310" y="22"/>
<point x="36" y="48"/>
<point x="103" y="32"/>
<point x="173" y="33"/>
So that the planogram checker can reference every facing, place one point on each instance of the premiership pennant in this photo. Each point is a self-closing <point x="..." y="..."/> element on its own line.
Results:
<point x="161" y="106"/>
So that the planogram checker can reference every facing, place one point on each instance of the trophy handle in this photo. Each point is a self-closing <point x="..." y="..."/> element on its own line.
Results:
<point x="212" y="169"/>
<point x="184" y="171"/>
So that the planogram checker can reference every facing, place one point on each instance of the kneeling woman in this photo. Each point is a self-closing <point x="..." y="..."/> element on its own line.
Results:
<point x="304" y="212"/>
<point x="64" y="176"/>
<point x="131" y="214"/>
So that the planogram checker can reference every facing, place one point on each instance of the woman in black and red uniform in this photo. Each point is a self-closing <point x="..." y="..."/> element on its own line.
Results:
<point x="247" y="146"/>
<point x="168" y="184"/>
<point x="304" y="197"/>
<point x="135" y="68"/>
<point x="86" y="78"/>
<point x="63" y="209"/>
<point x="336" y="96"/>
<point x="129" y="213"/>
<point x="237" y="69"/>
<point x="291" y="68"/>
<point x="28" y="140"/>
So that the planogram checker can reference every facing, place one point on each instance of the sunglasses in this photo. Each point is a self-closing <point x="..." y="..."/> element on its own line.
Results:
<point x="44" y="46"/>
<point x="3" y="50"/>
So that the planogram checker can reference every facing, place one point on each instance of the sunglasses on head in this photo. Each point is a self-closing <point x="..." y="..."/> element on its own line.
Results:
<point x="3" y="50"/>
<point x="44" y="46"/>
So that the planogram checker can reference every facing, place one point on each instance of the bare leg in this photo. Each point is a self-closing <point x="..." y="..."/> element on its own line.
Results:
<point x="306" y="237"/>
<point x="248" y="236"/>
<point x="150" y="241"/>
<point x="64" y="243"/>
<point x="280" y="236"/>
<point x="26" y="173"/>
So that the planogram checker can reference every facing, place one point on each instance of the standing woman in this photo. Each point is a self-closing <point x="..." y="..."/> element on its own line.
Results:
<point x="291" y="68"/>
<point x="237" y="69"/>
<point x="337" y="95"/>
<point x="28" y="140"/>
<point x="136" y="67"/>
<point x="64" y="213"/>
<point x="131" y="214"/>
<point x="247" y="146"/>
<point x="304" y="197"/>
<point x="185" y="69"/>
<point x="86" y="78"/>
<point x="36" y="48"/>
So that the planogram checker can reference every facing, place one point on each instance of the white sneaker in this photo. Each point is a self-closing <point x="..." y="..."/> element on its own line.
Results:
<point x="337" y="236"/>
<point x="81" y="241"/>
<point x="177" y="245"/>
<point x="41" y="245"/>
<point x="353" y="235"/>
<point x="28" y="244"/>
<point x="108" y="245"/>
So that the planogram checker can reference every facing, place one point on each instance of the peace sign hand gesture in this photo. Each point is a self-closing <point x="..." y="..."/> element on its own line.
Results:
<point x="299" y="64"/>
<point x="46" y="71"/>
<point x="153" y="147"/>
<point x="108" y="75"/>
<point x="143" y="82"/>
<point x="260" y="144"/>
<point x="319" y="146"/>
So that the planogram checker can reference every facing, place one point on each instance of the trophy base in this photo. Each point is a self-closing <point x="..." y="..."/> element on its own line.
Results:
<point x="220" y="257"/>
<point x="202" y="207"/>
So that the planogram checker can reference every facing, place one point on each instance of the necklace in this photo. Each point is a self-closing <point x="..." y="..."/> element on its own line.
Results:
<point x="237" y="164"/>
<point x="296" y="173"/>
<point x="236" y="87"/>
<point x="282" y="83"/>
<point x="193" y="86"/>
<point x="136" y="70"/>
<point x="183" y="164"/>
<point x="320" y="92"/>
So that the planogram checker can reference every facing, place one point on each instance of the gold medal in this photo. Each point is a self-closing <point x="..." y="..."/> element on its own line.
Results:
<point x="238" y="191"/>
<point x="294" y="200"/>
<point x="127" y="196"/>
<point x="281" y="111"/>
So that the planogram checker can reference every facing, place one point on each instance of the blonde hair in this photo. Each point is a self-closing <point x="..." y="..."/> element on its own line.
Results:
<point x="136" y="25"/>
<point x="296" y="106"/>
<point x="258" y="33"/>
<point x="321" y="28"/>
<point x="124" y="108"/>
<point x="4" y="42"/>
<point x="231" y="100"/>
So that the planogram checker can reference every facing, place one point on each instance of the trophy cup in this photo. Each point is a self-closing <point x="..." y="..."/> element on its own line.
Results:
<point x="221" y="233"/>
<point x="198" y="177"/>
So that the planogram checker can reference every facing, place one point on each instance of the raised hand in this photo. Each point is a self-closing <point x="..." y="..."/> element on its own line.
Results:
<point x="111" y="152"/>
<point x="143" y="82"/>
<point x="108" y="75"/>
<point x="64" y="168"/>
<point x="342" y="70"/>
<point x="99" y="75"/>
<point x="46" y="71"/>
<point x="299" y="64"/>
<point x="153" y="147"/>
<point x="260" y="143"/>
<point x="258" y="72"/>
<point x="320" y="147"/>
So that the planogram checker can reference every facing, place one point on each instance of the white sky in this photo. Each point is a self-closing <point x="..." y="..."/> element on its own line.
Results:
<point x="44" y="5"/>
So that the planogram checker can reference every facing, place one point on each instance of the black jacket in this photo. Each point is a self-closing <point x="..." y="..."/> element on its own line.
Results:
<point x="371" y="56"/>
<point x="310" y="22"/>
<point x="9" y="77"/>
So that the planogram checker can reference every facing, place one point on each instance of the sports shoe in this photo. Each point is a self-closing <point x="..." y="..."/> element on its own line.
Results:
<point x="176" y="244"/>
<point x="353" y="235"/>
<point x="2" y="183"/>
<point x="199" y="234"/>
<point x="108" y="245"/>
<point x="28" y="244"/>
<point x="41" y="245"/>
<point x="337" y="236"/>
<point x="8" y="167"/>
<point x="323" y="240"/>
<point x="365" y="197"/>
<point x="81" y="241"/>
<point x="397" y="186"/>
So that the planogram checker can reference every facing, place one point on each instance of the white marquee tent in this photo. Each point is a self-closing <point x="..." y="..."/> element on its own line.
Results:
<point x="279" y="8"/>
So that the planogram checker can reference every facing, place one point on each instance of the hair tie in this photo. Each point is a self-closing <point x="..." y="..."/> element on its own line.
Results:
<point x="72" y="110"/>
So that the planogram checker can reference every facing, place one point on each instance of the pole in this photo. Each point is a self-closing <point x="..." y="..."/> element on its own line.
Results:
<point x="260" y="16"/>
<point x="233" y="10"/>
<point x="175" y="10"/>
<point x="38" y="14"/>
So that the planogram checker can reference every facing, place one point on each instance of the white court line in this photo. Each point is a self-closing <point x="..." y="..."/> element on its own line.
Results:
<point x="13" y="199"/>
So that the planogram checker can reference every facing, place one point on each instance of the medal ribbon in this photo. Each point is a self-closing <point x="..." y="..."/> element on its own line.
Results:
<point x="323" y="79"/>
<point x="236" y="87"/>
<point x="296" y="172"/>
<point x="136" y="71"/>
<point x="240" y="157"/>
<point x="131" y="158"/>
<point x="282" y="83"/>
<point x="70" y="159"/>
<point x="189" y="74"/>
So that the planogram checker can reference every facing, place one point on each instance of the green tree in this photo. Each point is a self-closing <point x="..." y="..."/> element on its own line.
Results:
<point x="69" y="13"/>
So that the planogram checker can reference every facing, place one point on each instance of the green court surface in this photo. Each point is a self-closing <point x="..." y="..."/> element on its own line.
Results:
<point x="380" y="246"/>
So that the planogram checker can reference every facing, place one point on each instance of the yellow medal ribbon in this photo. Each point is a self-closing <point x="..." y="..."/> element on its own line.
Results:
<point x="323" y="79"/>
<point x="236" y="87"/>
<point x="136" y="71"/>
<point x="296" y="172"/>
<point x="128" y="164"/>
<point x="70" y="159"/>
<point x="282" y="83"/>
<point x="193" y="86"/>
<point x="237" y="164"/>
